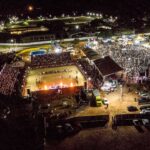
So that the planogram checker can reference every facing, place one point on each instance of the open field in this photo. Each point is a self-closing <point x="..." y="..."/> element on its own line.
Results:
<point x="27" y="23"/>
<point x="25" y="53"/>
<point x="50" y="78"/>
<point x="124" y="138"/>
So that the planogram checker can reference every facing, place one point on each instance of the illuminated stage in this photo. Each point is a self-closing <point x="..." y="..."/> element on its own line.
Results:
<point x="53" y="78"/>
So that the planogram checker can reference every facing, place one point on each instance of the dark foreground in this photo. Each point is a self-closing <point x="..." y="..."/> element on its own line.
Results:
<point x="124" y="138"/>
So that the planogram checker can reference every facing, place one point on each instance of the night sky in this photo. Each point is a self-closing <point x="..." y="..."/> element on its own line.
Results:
<point x="114" y="7"/>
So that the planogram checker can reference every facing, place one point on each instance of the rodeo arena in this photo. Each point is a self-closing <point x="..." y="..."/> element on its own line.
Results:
<point x="108" y="84"/>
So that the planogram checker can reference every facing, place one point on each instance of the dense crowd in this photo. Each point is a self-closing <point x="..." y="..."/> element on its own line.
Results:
<point x="90" y="72"/>
<point x="134" y="59"/>
<point x="8" y="78"/>
<point x="6" y="58"/>
<point x="49" y="60"/>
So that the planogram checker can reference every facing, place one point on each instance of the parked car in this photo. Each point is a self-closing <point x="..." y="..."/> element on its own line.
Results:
<point x="4" y="113"/>
<point x="145" y="107"/>
<point x="68" y="128"/>
<point x="146" y="122"/>
<point x="106" y="88"/>
<point x="144" y="94"/>
<point x="137" y="122"/>
<point x="44" y="108"/>
<point x="59" y="130"/>
<point x="145" y="111"/>
<point x="144" y="100"/>
<point x="132" y="108"/>
<point x="105" y="102"/>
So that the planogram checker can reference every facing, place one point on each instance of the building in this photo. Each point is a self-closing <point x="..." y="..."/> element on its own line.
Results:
<point x="107" y="67"/>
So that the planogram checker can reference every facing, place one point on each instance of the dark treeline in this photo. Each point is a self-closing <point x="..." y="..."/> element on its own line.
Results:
<point x="124" y="8"/>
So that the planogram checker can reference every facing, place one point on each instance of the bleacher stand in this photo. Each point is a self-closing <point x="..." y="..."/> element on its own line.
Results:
<point x="51" y="60"/>
<point x="8" y="78"/>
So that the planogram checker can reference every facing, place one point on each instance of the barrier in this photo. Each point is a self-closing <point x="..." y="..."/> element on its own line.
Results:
<point x="127" y="119"/>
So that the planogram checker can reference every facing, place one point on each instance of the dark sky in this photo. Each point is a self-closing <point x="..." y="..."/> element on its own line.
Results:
<point x="121" y="7"/>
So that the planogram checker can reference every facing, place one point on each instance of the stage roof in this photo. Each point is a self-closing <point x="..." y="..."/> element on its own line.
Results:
<point x="107" y="66"/>
<point x="90" y="53"/>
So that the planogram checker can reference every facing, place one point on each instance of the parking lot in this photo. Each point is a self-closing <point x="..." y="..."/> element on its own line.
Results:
<point x="117" y="104"/>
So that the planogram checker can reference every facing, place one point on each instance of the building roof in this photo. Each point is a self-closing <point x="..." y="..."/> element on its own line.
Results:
<point x="90" y="53"/>
<point x="107" y="66"/>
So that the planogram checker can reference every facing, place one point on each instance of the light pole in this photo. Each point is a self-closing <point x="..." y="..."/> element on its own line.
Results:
<point x="121" y="91"/>
<point x="77" y="27"/>
<point x="13" y="41"/>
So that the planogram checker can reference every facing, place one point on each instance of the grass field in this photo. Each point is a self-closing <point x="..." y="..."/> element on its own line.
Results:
<point x="49" y="78"/>
<point x="25" y="53"/>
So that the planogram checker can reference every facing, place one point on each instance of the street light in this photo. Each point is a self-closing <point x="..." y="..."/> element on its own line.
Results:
<point x="2" y="26"/>
<point x="50" y="16"/>
<point x="89" y="79"/>
<point x="12" y="40"/>
<point x="13" y="43"/>
<point x="77" y="27"/>
<point x="30" y="8"/>
<point x="63" y="15"/>
<point x="87" y="13"/>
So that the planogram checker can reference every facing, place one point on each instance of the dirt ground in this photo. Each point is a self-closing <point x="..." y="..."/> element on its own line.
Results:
<point x="124" y="138"/>
<point x="46" y="78"/>
<point x="117" y="104"/>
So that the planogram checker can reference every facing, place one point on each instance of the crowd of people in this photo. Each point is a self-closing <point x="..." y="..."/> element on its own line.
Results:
<point x="90" y="72"/>
<point x="6" y="58"/>
<point x="134" y="59"/>
<point x="49" y="60"/>
<point x="8" y="78"/>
